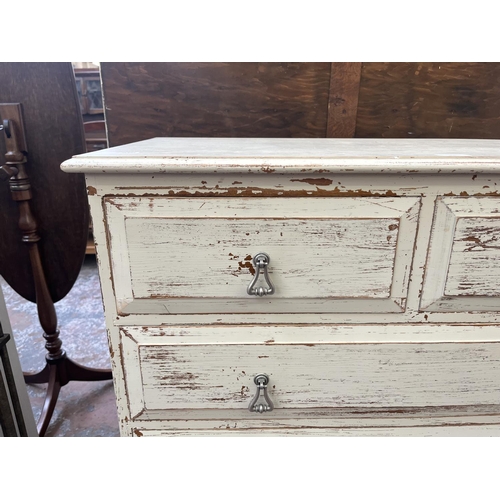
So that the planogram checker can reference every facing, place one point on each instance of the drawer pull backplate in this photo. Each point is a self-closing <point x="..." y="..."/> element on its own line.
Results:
<point x="261" y="261"/>
<point x="261" y="382"/>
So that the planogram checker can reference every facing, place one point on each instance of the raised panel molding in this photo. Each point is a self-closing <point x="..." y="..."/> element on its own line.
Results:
<point x="164" y="375"/>
<point x="172" y="256"/>
<point x="386" y="267"/>
<point x="463" y="266"/>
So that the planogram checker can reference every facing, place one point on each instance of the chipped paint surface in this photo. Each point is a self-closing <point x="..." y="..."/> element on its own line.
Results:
<point x="464" y="256"/>
<point x="386" y="291"/>
<point x="315" y="182"/>
<point x="373" y="238"/>
<point x="210" y="376"/>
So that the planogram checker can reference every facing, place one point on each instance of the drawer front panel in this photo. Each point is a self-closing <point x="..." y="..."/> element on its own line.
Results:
<point x="196" y="255"/>
<point x="164" y="376"/>
<point x="463" y="269"/>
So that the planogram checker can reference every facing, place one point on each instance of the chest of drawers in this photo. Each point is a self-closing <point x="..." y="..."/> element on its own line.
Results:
<point x="300" y="286"/>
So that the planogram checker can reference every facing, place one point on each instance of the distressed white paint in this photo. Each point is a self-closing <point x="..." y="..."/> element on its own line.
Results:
<point x="213" y="376"/>
<point x="226" y="156"/>
<point x="463" y="271"/>
<point x="459" y="430"/>
<point x="314" y="334"/>
<point x="188" y="255"/>
<point x="429" y="421"/>
<point x="440" y="330"/>
<point x="355" y="417"/>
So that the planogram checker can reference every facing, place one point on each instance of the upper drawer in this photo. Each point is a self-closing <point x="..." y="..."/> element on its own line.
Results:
<point x="463" y="264"/>
<point x="188" y="256"/>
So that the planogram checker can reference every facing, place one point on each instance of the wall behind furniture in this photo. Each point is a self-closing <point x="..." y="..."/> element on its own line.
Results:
<point x="455" y="100"/>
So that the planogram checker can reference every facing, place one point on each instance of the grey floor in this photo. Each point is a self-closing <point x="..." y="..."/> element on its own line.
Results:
<point x="83" y="408"/>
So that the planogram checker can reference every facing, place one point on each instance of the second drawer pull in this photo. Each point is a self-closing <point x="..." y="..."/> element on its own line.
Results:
<point x="261" y="382"/>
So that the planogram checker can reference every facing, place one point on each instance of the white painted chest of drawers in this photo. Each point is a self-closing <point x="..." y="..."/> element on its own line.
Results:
<point x="383" y="257"/>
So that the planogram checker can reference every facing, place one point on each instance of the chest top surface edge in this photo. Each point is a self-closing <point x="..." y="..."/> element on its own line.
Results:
<point x="235" y="155"/>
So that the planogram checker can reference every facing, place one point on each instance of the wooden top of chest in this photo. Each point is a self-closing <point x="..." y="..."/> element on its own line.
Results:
<point x="232" y="155"/>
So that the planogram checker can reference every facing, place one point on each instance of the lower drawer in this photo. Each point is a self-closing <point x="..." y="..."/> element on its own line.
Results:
<point x="210" y="380"/>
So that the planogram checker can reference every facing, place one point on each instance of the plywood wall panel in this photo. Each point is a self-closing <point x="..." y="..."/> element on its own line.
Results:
<point x="145" y="100"/>
<point x="446" y="100"/>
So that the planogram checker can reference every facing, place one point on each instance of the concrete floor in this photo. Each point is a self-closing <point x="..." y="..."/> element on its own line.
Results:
<point x="83" y="408"/>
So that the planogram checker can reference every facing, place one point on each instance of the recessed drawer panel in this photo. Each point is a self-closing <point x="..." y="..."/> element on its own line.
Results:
<point x="163" y="376"/>
<point x="463" y="268"/>
<point x="178" y="256"/>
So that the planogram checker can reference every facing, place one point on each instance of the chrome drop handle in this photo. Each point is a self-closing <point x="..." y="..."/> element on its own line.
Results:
<point x="261" y="261"/>
<point x="261" y="382"/>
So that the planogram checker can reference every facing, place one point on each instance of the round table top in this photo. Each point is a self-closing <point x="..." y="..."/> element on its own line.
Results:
<point x="54" y="133"/>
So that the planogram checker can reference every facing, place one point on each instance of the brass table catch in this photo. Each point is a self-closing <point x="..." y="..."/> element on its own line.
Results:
<point x="261" y="261"/>
<point x="261" y="382"/>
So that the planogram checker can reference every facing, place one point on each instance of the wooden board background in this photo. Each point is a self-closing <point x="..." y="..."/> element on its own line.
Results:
<point x="54" y="132"/>
<point x="446" y="100"/>
<point x="144" y="100"/>
<point x="443" y="100"/>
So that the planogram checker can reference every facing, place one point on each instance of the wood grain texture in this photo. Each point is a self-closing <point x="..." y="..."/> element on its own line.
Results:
<point x="225" y="156"/>
<point x="196" y="255"/>
<point x="144" y="100"/>
<point x="259" y="183"/>
<point x="464" y="255"/>
<point x="458" y="430"/>
<point x="314" y="333"/>
<point x="309" y="376"/>
<point x="475" y="261"/>
<point x="339" y="417"/>
<point x="446" y="100"/>
<point x="343" y="99"/>
<point x="341" y="372"/>
<point x="54" y="133"/>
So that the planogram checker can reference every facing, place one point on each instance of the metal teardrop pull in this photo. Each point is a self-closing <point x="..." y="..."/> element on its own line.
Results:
<point x="261" y="261"/>
<point x="261" y="382"/>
